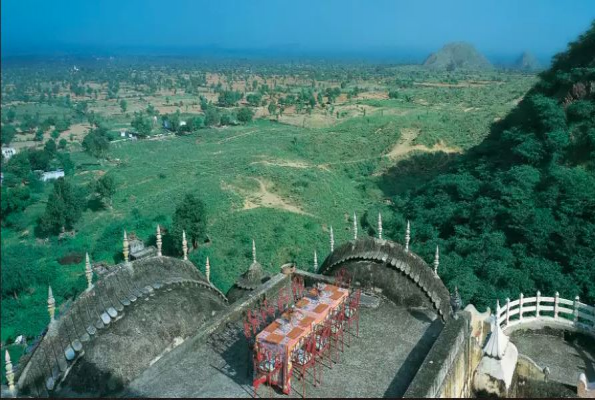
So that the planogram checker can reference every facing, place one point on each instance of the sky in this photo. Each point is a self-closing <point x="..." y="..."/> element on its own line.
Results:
<point x="502" y="27"/>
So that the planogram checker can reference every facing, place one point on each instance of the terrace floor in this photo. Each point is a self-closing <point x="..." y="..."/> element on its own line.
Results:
<point x="565" y="357"/>
<point x="392" y="344"/>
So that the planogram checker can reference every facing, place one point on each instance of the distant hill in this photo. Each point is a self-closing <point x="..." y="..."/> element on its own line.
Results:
<point x="458" y="55"/>
<point x="527" y="62"/>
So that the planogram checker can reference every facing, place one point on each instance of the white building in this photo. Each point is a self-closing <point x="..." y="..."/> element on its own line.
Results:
<point x="8" y="152"/>
<point x="51" y="175"/>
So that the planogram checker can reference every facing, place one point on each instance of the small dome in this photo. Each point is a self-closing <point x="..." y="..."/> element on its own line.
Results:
<point x="253" y="278"/>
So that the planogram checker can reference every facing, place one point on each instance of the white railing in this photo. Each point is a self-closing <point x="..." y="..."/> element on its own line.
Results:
<point x="527" y="310"/>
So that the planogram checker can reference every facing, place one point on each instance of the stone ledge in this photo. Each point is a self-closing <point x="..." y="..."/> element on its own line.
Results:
<point x="430" y="376"/>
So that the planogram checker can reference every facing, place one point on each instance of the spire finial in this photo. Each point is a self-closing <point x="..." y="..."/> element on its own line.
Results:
<point x="407" y="236"/>
<point x="208" y="270"/>
<point x="51" y="304"/>
<point x="159" y="242"/>
<point x="332" y="240"/>
<point x="88" y="272"/>
<point x="125" y="245"/>
<point x="354" y="226"/>
<point x="436" y="261"/>
<point x="184" y="245"/>
<point x="379" y="226"/>
<point x="253" y="251"/>
<point x="315" y="262"/>
<point x="9" y="372"/>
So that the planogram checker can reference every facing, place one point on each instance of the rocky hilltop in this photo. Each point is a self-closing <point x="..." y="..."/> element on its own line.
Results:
<point x="458" y="55"/>
<point x="527" y="62"/>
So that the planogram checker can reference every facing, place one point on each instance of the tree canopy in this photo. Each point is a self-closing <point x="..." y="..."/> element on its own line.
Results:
<point x="190" y="215"/>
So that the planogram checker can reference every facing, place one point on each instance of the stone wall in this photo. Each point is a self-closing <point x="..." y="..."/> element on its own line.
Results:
<point x="448" y="368"/>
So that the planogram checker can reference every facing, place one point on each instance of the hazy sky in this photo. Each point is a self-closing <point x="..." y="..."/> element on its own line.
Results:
<point x="497" y="27"/>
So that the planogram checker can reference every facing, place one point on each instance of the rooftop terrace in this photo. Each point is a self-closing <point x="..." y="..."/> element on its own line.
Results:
<point x="393" y="343"/>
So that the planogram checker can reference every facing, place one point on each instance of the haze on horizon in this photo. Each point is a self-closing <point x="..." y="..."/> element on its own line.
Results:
<point x="497" y="28"/>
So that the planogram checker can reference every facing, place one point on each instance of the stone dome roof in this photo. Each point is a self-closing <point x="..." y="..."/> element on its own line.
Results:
<point x="253" y="277"/>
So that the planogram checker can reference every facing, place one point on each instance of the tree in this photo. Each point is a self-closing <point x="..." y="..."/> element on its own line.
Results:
<point x="62" y="144"/>
<point x="19" y="165"/>
<point x="105" y="188"/>
<point x="96" y="142"/>
<point x="245" y="115"/>
<point x="63" y="209"/>
<point x="254" y="99"/>
<point x="190" y="216"/>
<point x="38" y="136"/>
<point x="50" y="148"/>
<point x="123" y="105"/>
<point x="212" y="116"/>
<point x="141" y="124"/>
<point x="8" y="132"/>
<point x="39" y="159"/>
<point x="229" y="98"/>
<point x="272" y="108"/>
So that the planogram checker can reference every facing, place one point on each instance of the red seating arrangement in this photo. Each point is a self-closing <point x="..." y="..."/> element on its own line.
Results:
<point x="343" y="278"/>
<point x="303" y="359"/>
<point x="337" y="331"/>
<point x="298" y="287"/>
<point x="351" y="312"/>
<point x="267" y="311"/>
<point x="267" y="365"/>
<point x="250" y="338"/>
<point x="322" y="340"/>
<point x="337" y="313"/>
<point x="254" y="318"/>
<point x="282" y="300"/>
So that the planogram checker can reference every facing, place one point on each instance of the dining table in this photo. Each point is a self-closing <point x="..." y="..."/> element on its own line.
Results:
<point x="288" y="333"/>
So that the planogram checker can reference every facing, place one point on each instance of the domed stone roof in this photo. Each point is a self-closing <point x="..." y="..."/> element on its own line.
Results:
<point x="253" y="277"/>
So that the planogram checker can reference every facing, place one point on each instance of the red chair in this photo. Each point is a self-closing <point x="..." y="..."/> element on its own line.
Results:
<point x="282" y="300"/>
<point x="267" y="365"/>
<point x="351" y="312"/>
<point x="337" y="322"/>
<point x="250" y="338"/>
<point x="322" y="340"/>
<point x="297" y="286"/>
<point x="303" y="359"/>
<point x="267" y="311"/>
<point x="254" y="318"/>
<point x="343" y="278"/>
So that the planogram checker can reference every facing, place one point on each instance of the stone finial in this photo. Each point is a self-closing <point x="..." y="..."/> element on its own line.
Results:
<point x="51" y="304"/>
<point x="436" y="261"/>
<point x="126" y="247"/>
<point x="159" y="241"/>
<point x="332" y="240"/>
<point x="88" y="272"/>
<point x="354" y="227"/>
<point x="9" y="371"/>
<point x="208" y="270"/>
<point x="184" y="245"/>
<point x="455" y="301"/>
<point x="407" y="236"/>
<point x="253" y="251"/>
<point x="496" y="344"/>
<point x="315" y="262"/>
<point x="379" y="226"/>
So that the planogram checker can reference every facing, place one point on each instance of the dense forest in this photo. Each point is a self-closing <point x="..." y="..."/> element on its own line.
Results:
<point x="517" y="212"/>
